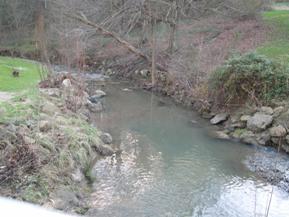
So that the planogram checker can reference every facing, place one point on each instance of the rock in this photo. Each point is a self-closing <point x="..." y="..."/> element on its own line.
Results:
<point x="244" y="118"/>
<point x="207" y="115"/>
<point x="264" y="138"/>
<point x="94" y="99"/>
<point x="219" y="118"/>
<point x="45" y="126"/>
<point x="49" y="108"/>
<point x="28" y="140"/>
<point x="259" y="122"/>
<point x="285" y="147"/>
<point x="248" y="137"/>
<point x="145" y="73"/>
<point x="126" y="90"/>
<point x="219" y="135"/>
<point x="77" y="176"/>
<point x="106" y="138"/>
<point x="278" y="140"/>
<point x="64" y="199"/>
<point x="66" y="83"/>
<point x="278" y="131"/>
<point x="105" y="150"/>
<point x="99" y="94"/>
<point x="95" y="107"/>
<point x="239" y="125"/>
<point x="194" y="122"/>
<point x="283" y="119"/>
<point x="278" y="111"/>
<point x="266" y="110"/>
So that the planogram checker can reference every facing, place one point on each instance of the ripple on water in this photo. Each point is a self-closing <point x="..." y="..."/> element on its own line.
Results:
<point x="169" y="168"/>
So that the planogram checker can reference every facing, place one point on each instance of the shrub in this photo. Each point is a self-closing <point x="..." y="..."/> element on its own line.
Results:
<point x="251" y="77"/>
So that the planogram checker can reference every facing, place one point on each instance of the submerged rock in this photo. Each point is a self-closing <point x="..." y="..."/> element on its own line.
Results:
<point x="259" y="122"/>
<point x="219" y="118"/>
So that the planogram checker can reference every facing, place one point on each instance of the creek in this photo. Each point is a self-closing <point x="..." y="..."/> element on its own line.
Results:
<point x="169" y="166"/>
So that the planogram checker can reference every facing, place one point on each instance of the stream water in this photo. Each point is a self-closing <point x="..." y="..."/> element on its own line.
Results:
<point x="171" y="167"/>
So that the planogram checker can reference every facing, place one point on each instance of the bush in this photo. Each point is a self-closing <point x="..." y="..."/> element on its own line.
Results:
<point x="251" y="77"/>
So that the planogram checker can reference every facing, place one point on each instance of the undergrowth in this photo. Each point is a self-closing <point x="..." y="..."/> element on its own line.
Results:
<point x="251" y="77"/>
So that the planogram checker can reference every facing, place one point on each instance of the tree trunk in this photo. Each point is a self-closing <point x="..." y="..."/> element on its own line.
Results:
<point x="173" y="27"/>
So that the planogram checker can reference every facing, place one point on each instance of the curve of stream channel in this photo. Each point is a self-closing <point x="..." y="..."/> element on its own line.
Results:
<point x="171" y="167"/>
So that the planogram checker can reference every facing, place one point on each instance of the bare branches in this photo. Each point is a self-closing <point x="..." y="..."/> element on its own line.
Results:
<point x="104" y="31"/>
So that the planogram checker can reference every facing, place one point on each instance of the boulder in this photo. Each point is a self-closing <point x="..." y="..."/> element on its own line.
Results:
<point x="266" y="110"/>
<point x="278" y="131"/>
<point x="66" y="83"/>
<point x="219" y="118"/>
<point x="106" y="138"/>
<point x="259" y="122"/>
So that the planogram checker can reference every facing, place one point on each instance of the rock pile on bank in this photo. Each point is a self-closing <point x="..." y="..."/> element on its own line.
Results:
<point x="264" y="126"/>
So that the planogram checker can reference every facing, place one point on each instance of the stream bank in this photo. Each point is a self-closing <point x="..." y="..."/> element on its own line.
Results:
<point x="48" y="145"/>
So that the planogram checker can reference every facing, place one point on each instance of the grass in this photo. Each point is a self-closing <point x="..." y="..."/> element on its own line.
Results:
<point x="277" y="47"/>
<point x="29" y="74"/>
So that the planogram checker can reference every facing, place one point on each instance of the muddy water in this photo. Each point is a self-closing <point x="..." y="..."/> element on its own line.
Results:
<point x="170" y="167"/>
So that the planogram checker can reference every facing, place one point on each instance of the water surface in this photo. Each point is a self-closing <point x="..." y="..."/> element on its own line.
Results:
<point x="171" y="167"/>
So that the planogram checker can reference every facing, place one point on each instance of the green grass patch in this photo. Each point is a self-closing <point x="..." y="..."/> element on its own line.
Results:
<point x="277" y="47"/>
<point x="29" y="74"/>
